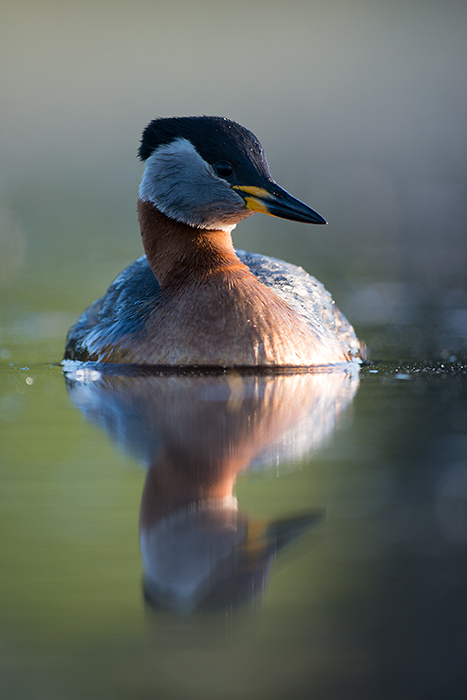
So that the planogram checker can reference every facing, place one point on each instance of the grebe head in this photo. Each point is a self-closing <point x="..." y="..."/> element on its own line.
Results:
<point x="210" y="173"/>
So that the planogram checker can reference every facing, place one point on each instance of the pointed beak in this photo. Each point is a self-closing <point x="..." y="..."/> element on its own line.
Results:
<point x="277" y="202"/>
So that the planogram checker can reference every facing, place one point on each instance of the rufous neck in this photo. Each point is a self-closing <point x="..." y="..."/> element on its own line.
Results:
<point x="171" y="485"/>
<point x="180" y="254"/>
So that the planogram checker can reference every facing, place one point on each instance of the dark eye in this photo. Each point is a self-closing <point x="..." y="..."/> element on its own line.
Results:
<point x="223" y="168"/>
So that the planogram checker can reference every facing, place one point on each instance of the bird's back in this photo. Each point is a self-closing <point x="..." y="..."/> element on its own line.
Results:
<point x="128" y="316"/>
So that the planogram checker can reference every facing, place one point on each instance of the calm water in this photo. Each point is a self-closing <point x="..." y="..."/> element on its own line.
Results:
<point x="234" y="536"/>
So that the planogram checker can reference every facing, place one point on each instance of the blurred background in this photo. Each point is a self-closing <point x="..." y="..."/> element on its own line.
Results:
<point x="361" y="107"/>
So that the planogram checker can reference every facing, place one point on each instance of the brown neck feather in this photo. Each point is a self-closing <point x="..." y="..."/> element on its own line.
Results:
<point x="180" y="254"/>
<point x="216" y="311"/>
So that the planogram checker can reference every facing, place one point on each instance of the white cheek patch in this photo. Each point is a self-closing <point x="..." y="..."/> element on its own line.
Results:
<point x="184" y="187"/>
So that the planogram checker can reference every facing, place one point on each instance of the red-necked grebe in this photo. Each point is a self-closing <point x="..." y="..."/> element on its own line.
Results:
<point x="193" y="300"/>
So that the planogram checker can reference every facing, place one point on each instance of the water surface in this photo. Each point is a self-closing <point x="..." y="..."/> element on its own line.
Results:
<point x="344" y="534"/>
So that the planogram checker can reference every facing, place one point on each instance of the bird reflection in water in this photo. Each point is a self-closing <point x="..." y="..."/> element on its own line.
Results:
<point x="195" y="432"/>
